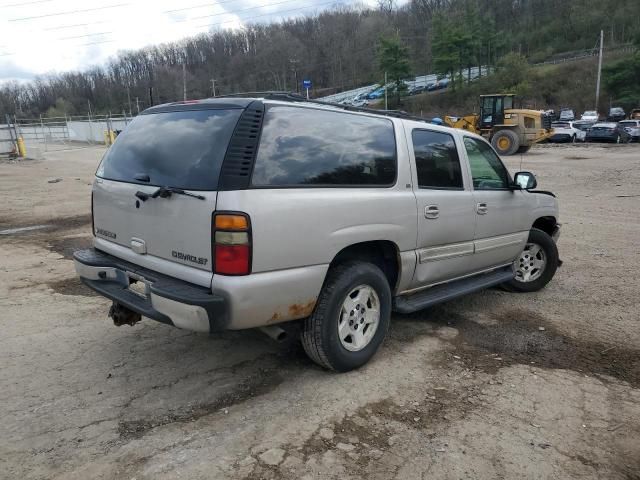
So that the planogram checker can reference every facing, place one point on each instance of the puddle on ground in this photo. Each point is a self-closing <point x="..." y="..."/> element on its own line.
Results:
<point x="517" y="338"/>
<point x="72" y="286"/>
<point x="50" y="225"/>
<point x="272" y="370"/>
<point x="65" y="246"/>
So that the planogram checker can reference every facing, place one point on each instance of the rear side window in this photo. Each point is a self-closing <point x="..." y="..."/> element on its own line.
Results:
<point x="175" y="149"/>
<point x="303" y="146"/>
<point x="437" y="161"/>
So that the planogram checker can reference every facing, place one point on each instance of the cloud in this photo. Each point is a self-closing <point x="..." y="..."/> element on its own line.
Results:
<point x="46" y="42"/>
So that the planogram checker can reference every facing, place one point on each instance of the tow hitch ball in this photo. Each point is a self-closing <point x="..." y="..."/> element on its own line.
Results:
<point x="122" y="315"/>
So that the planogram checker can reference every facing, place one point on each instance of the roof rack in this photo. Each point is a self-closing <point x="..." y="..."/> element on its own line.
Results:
<point x="296" y="97"/>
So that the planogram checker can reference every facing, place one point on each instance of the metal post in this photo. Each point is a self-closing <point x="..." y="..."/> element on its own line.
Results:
<point x="599" y="69"/>
<point x="213" y="86"/>
<point x="386" y="105"/>
<point x="138" y="105"/>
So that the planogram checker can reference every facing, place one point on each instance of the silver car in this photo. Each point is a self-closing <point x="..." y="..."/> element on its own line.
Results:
<point x="305" y="218"/>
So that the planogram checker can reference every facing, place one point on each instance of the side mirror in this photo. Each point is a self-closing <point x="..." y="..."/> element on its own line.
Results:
<point x="525" y="180"/>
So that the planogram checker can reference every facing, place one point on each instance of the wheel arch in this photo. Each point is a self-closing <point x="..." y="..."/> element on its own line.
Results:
<point x="385" y="254"/>
<point x="546" y="224"/>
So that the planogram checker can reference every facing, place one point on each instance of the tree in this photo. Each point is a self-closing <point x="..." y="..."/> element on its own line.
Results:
<point x="621" y="81"/>
<point x="393" y="59"/>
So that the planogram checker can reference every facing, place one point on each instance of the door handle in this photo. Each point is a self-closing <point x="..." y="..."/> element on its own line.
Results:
<point x="431" y="212"/>
<point x="481" y="208"/>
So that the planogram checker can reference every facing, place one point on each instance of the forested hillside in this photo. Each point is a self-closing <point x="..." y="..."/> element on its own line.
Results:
<point x="336" y="49"/>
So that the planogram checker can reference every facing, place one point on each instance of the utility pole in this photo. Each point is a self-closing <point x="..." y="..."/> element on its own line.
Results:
<point x="294" y="67"/>
<point x="213" y="86"/>
<point x="138" y="105"/>
<point x="386" y="105"/>
<point x="184" y="82"/>
<point x="129" y="100"/>
<point x="599" y="69"/>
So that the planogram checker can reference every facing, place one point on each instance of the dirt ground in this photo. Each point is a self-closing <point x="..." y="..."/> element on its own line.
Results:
<point x="494" y="385"/>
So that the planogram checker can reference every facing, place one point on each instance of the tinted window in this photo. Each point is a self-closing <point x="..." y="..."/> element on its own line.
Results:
<point x="437" y="160"/>
<point x="487" y="170"/>
<point x="175" y="149"/>
<point x="303" y="146"/>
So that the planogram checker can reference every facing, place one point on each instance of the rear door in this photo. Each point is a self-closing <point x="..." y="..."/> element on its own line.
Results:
<point x="501" y="214"/>
<point x="178" y="149"/>
<point x="445" y="208"/>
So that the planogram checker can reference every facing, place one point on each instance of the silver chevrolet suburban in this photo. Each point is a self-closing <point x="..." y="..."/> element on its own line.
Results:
<point x="301" y="216"/>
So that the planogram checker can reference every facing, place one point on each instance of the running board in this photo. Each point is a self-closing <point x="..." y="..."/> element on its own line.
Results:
<point x="450" y="290"/>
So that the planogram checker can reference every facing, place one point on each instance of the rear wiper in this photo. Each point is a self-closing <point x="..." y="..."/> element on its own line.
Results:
<point x="166" y="192"/>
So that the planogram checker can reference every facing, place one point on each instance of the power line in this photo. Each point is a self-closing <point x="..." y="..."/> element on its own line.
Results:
<point x="22" y="4"/>
<point x="70" y="12"/>
<point x="86" y="35"/>
<point x="270" y="14"/>
<point x="202" y="5"/>
<point x="95" y="43"/>
<point x="237" y="11"/>
<point x="62" y="27"/>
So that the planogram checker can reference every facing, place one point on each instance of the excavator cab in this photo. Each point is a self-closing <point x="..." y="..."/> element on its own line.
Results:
<point x="492" y="109"/>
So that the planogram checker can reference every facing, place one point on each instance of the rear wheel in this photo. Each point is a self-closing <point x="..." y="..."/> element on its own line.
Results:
<point x="536" y="265"/>
<point x="351" y="317"/>
<point x="506" y="142"/>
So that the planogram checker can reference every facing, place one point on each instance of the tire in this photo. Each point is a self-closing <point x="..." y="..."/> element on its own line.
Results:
<point x="320" y="335"/>
<point x="549" y="252"/>
<point x="509" y="140"/>
<point x="524" y="148"/>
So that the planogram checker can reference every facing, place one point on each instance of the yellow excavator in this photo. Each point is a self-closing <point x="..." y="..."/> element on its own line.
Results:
<point x="510" y="130"/>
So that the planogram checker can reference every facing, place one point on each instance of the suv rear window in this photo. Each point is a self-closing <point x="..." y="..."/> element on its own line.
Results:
<point x="304" y="146"/>
<point x="182" y="149"/>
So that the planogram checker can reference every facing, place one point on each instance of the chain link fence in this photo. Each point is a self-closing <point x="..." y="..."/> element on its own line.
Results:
<point x="51" y="134"/>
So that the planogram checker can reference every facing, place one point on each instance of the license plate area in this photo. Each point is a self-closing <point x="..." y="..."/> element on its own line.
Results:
<point x="139" y="285"/>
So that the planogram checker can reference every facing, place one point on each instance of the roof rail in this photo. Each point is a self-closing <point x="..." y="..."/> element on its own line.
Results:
<point x="296" y="97"/>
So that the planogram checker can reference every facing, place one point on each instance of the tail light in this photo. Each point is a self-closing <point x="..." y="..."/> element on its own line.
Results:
<point x="231" y="243"/>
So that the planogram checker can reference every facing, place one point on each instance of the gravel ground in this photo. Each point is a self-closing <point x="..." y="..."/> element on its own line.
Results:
<point x="494" y="385"/>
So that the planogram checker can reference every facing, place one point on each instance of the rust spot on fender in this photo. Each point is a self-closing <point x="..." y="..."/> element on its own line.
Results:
<point x="295" y="311"/>
<point x="302" y="310"/>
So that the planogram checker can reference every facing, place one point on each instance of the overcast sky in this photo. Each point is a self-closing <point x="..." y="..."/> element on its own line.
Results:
<point x="42" y="36"/>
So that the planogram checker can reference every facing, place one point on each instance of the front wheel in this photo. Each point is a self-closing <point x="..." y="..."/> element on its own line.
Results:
<point x="505" y="142"/>
<point x="351" y="317"/>
<point x="536" y="265"/>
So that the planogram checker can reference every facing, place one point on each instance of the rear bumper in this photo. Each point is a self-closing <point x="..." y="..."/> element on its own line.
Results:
<point x="167" y="300"/>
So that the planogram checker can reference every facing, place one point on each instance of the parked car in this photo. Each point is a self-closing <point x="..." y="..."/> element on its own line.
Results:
<point x="584" y="126"/>
<point x="376" y="94"/>
<point x="616" y="114"/>
<point x="566" y="132"/>
<point x="607" y="132"/>
<point x="417" y="89"/>
<point x="431" y="86"/>
<point x="632" y="127"/>
<point x="294" y="216"/>
<point x="360" y="103"/>
<point x="442" y="84"/>
<point x="566" y="114"/>
<point x="589" y="116"/>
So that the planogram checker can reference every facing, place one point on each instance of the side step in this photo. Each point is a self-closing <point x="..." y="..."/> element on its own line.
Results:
<point x="448" y="291"/>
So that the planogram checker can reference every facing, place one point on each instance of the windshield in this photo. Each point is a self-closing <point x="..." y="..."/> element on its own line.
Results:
<point x="182" y="149"/>
<point x="589" y="114"/>
<point x="560" y="125"/>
